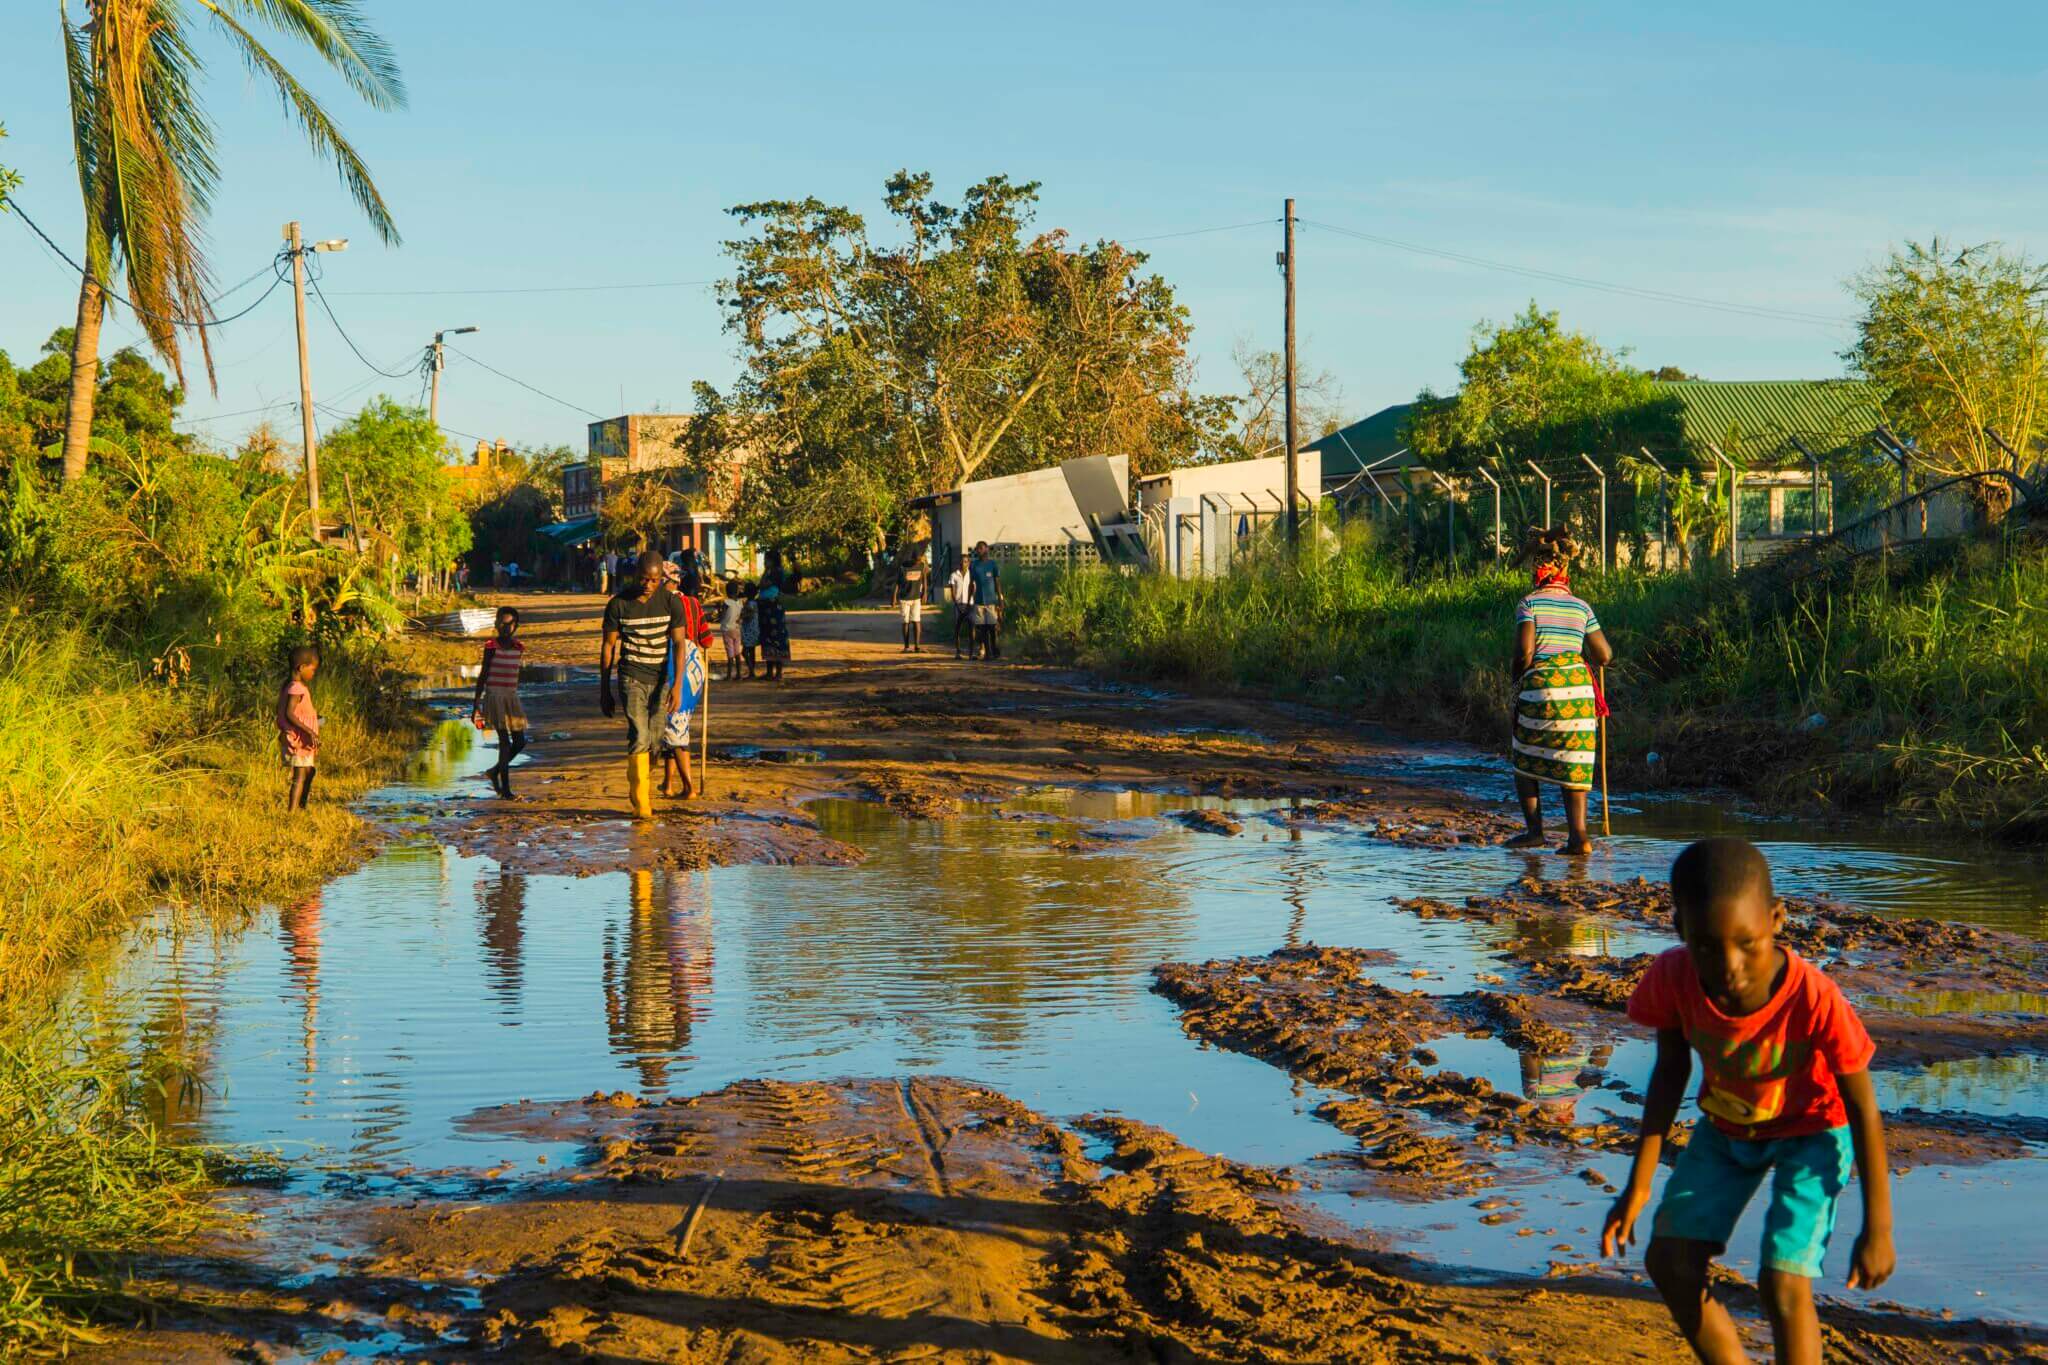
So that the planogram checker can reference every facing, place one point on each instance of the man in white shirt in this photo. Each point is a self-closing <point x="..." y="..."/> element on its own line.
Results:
<point x="960" y="592"/>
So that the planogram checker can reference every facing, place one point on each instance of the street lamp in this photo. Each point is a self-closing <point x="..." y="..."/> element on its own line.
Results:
<point x="434" y="404"/>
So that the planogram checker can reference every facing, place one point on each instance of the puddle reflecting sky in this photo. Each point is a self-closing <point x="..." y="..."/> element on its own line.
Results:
<point x="359" y="1028"/>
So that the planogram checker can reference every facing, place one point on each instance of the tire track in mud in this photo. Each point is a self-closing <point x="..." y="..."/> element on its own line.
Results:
<point x="925" y="1124"/>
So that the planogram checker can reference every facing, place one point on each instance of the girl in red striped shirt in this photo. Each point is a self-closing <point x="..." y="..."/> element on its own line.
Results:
<point x="496" y="704"/>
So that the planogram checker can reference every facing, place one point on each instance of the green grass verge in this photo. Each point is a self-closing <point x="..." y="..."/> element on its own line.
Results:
<point x="1930" y="671"/>
<point x="121" y="791"/>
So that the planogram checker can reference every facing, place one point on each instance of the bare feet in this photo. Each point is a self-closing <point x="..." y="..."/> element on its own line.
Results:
<point x="1577" y="848"/>
<point x="1527" y="840"/>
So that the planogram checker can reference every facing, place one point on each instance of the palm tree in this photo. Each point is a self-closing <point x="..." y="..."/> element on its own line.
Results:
<point x="145" y="156"/>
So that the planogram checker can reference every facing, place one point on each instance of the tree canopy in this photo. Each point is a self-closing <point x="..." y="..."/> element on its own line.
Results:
<point x="967" y="347"/>
<point x="1956" y="341"/>
<point x="387" y="463"/>
<point x="1534" y="390"/>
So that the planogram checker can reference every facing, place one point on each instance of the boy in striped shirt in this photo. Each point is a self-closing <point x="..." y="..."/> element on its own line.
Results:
<point x="641" y="625"/>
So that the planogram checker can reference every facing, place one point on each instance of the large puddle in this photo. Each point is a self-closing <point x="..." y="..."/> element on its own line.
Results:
<point x="354" y="1033"/>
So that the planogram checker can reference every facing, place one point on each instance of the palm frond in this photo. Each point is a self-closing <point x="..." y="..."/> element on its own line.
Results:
<point x="320" y="129"/>
<point x="336" y="30"/>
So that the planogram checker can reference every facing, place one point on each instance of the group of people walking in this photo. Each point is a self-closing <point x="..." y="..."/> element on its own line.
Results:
<point x="974" y="589"/>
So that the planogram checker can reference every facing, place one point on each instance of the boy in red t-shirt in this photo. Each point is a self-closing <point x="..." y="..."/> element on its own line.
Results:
<point x="1785" y="1093"/>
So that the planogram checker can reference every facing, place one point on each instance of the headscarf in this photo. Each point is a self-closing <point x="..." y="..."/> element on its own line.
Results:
<point x="1550" y="552"/>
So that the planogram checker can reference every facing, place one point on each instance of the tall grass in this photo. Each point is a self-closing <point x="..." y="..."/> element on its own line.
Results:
<point x="1929" y="675"/>
<point x="85" y="1180"/>
<point x="122" y="788"/>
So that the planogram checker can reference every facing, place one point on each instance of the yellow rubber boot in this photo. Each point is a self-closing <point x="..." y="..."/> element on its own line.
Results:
<point x="641" y="785"/>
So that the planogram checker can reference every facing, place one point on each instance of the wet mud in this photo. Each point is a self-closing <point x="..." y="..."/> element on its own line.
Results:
<point x="919" y="1218"/>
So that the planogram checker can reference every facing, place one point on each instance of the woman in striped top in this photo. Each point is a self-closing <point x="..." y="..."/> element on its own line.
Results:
<point x="1558" y="703"/>
<point x="496" y="705"/>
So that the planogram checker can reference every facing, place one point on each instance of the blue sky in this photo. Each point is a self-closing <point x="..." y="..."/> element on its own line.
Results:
<point x="1752" y="154"/>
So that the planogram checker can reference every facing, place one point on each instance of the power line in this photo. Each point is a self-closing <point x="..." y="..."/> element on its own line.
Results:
<point x="537" y="289"/>
<point x="524" y="385"/>
<point x="1197" y="232"/>
<point x="313" y="279"/>
<point x="1584" y="282"/>
<point x="138" y="309"/>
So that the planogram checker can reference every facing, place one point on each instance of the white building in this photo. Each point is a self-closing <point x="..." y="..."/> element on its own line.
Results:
<point x="1027" y="519"/>
<point x="1200" y="518"/>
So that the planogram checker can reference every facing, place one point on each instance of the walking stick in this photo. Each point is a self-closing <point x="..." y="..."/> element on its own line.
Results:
<point x="704" y="734"/>
<point x="1605" y="828"/>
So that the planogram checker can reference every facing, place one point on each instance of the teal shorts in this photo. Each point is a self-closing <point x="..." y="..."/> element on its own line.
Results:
<point x="1716" y="1176"/>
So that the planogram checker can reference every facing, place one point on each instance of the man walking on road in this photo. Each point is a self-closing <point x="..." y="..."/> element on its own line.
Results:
<point x="908" y="596"/>
<point x="641" y="625"/>
<point x="960" y="592"/>
<point x="988" y="599"/>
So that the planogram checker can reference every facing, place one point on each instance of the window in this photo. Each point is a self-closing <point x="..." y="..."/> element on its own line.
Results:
<point x="1799" y="510"/>
<point x="1755" y="518"/>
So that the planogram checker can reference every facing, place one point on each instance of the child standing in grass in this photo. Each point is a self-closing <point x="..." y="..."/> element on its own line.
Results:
<point x="1785" y="1093"/>
<point x="496" y="703"/>
<point x="298" y="726"/>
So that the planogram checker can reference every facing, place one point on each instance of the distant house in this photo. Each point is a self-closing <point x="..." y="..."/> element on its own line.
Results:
<point x="1027" y="519"/>
<point x="1777" y="431"/>
<point x="649" y="442"/>
<point x="1197" y="517"/>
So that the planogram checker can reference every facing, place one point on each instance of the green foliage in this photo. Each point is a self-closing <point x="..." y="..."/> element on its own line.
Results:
<point x="1933" y="671"/>
<point x="1533" y="390"/>
<point x="390" y="459"/>
<point x="970" y="347"/>
<point x="1957" y="342"/>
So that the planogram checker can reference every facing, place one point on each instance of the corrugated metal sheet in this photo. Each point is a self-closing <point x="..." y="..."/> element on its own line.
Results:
<point x="1364" y="441"/>
<point x="1754" y="421"/>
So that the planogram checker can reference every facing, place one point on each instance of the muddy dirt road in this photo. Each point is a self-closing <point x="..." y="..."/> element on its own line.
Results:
<point x="773" y="1186"/>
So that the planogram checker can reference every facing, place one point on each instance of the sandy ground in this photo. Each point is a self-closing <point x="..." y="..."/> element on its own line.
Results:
<point x="897" y="1218"/>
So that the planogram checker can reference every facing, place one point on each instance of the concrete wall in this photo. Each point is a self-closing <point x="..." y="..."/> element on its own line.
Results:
<point x="1022" y="509"/>
<point x="1262" y="480"/>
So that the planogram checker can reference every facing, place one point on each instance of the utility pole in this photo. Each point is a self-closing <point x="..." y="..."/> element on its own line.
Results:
<point x="298" y="255"/>
<point x="295" y="248"/>
<point x="1293" y="475"/>
<point x="440" y="363"/>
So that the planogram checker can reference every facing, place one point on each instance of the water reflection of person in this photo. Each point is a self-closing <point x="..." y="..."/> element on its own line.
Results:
<point x="1556" y="1083"/>
<point x="657" y="981"/>
<point x="501" y="905"/>
<point x="300" y="928"/>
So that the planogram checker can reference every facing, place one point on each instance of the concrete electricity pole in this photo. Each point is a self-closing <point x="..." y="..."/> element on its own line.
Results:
<point x="1293" y="476"/>
<point x="440" y="362"/>
<point x="296" y="249"/>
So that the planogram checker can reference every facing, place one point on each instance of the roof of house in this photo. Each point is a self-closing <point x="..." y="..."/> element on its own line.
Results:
<point x="1756" y="419"/>
<point x="1753" y="420"/>
<point x="1348" y="449"/>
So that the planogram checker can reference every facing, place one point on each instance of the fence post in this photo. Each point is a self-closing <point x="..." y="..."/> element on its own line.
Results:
<point x="1734" y="512"/>
<point x="1496" y="511"/>
<point x="1546" y="491"/>
<point x="1450" y="523"/>
<point x="1663" y="497"/>
<point x="1603" y="506"/>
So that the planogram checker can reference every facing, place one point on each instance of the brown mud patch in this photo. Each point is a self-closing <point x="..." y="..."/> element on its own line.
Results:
<point x="1437" y="823"/>
<point x="1928" y="990"/>
<point x="925" y="734"/>
<point x="917" y="1218"/>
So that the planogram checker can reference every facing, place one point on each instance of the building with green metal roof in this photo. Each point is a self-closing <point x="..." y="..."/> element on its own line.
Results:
<point x="1760" y="423"/>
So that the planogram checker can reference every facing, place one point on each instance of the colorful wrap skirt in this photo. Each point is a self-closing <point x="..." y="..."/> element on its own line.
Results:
<point x="1557" y="722"/>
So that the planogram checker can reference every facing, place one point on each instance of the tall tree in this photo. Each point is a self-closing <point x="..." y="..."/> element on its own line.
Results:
<point x="1956" y="341"/>
<point x="146" y="169"/>
<point x="968" y="347"/>
<point x="1261" y="409"/>
<point x="1535" y="390"/>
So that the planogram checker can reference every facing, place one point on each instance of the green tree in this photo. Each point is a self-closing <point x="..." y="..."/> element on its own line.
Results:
<point x="969" y="347"/>
<point x="1956" y="341"/>
<point x="146" y="167"/>
<point x="389" y="460"/>
<point x="635" y="508"/>
<point x="1533" y="390"/>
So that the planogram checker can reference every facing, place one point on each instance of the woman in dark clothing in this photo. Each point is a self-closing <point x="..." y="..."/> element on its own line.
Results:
<point x="777" y="582"/>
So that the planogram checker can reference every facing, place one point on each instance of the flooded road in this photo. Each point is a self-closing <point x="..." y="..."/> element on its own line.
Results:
<point x="1013" y="946"/>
